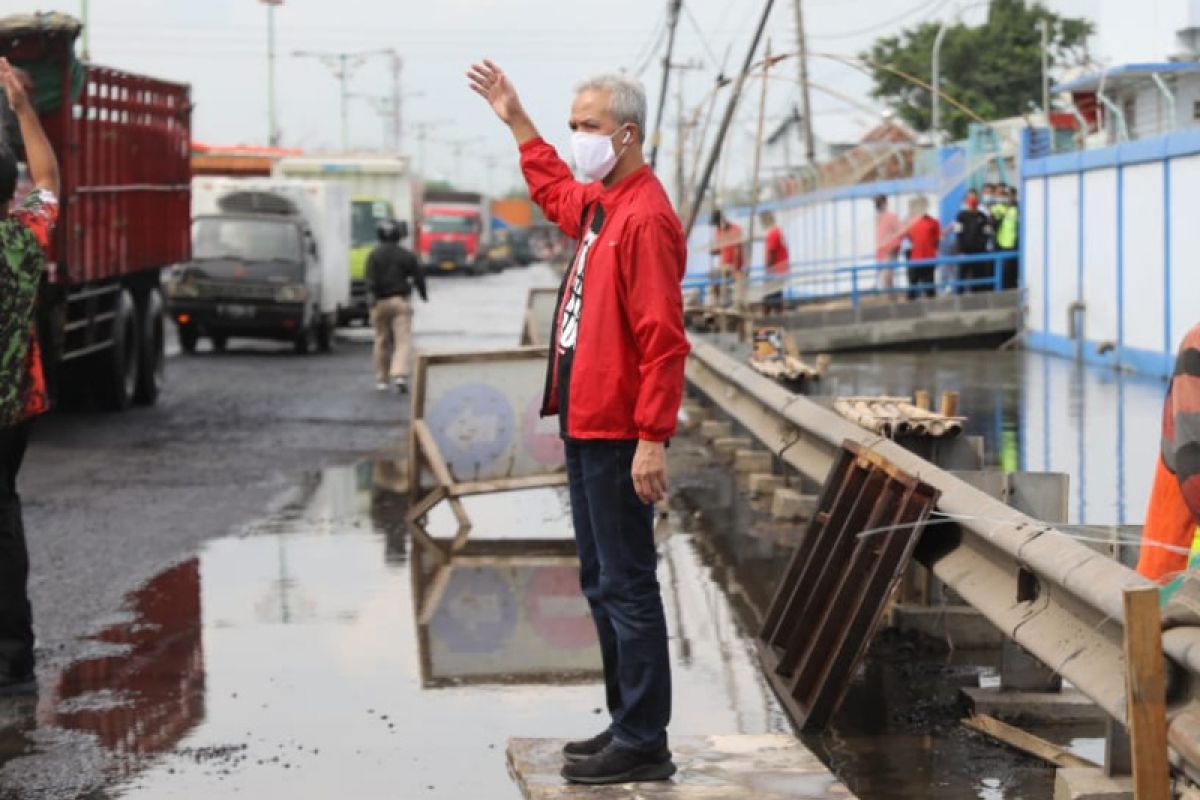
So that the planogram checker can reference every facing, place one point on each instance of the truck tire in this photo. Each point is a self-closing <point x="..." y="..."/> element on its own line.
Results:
<point x="325" y="334"/>
<point x="188" y="338"/>
<point x="152" y="363"/>
<point x="116" y="380"/>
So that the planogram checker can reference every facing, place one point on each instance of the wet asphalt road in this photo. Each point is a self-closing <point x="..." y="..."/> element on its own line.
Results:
<point x="113" y="500"/>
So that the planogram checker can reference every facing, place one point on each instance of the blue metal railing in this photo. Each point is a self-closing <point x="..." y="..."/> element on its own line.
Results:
<point x="859" y="281"/>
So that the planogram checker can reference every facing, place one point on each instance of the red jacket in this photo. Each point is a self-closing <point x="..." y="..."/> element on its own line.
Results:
<point x="619" y="347"/>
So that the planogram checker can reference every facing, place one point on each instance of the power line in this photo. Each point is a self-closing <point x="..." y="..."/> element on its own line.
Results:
<point x="929" y="7"/>
<point x="716" y="62"/>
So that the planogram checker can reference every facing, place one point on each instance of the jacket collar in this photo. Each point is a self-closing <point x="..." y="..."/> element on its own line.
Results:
<point x="618" y="191"/>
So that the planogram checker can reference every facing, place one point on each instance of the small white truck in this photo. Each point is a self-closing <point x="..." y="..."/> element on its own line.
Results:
<point x="270" y="260"/>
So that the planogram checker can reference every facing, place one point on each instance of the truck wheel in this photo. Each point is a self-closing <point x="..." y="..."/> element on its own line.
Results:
<point x="325" y="335"/>
<point x="152" y="365"/>
<point x="303" y="343"/>
<point x="188" y="338"/>
<point x="219" y="342"/>
<point x="118" y="365"/>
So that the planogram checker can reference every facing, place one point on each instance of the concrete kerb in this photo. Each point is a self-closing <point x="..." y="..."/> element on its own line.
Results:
<point x="1085" y="783"/>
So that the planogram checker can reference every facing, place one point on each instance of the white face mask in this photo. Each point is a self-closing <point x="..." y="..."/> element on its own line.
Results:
<point x="594" y="154"/>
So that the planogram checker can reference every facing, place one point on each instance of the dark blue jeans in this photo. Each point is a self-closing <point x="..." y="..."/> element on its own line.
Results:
<point x="614" y="532"/>
<point x="16" y="618"/>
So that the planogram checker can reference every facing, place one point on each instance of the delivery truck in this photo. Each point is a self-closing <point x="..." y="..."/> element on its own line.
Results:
<point x="270" y="260"/>
<point x="381" y="187"/>
<point x="455" y="232"/>
<point x="122" y="142"/>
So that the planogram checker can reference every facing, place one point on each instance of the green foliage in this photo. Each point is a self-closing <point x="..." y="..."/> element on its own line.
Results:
<point x="995" y="69"/>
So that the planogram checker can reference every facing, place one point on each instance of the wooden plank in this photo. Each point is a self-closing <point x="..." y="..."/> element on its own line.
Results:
<point x="1146" y="693"/>
<point x="426" y="503"/>
<point x="1025" y="741"/>
<point x="508" y="484"/>
<point x="433" y="455"/>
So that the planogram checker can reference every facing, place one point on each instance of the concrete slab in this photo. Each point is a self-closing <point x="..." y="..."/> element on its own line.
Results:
<point x="764" y="484"/>
<point x="726" y="447"/>
<point x="714" y="429"/>
<point x="763" y="767"/>
<point x="1081" y="783"/>
<point x="791" y="504"/>
<point x="748" y="461"/>
<point x="1067" y="706"/>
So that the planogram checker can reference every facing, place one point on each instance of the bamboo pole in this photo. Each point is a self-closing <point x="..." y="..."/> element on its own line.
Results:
<point x="1145" y="682"/>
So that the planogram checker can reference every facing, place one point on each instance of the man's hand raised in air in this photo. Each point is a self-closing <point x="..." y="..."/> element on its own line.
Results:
<point x="489" y="82"/>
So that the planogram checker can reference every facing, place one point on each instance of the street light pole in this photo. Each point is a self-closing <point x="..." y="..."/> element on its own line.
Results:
<point x="87" y="39"/>
<point x="272" y="109"/>
<point x="935" y="122"/>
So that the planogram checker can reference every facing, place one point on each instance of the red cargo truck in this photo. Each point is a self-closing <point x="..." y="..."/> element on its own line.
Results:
<point x="123" y="146"/>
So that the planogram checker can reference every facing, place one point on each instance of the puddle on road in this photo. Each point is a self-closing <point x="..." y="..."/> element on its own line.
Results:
<point x="327" y="654"/>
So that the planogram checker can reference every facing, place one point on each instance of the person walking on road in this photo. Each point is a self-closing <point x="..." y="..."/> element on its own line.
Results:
<point x="778" y="263"/>
<point x="392" y="272"/>
<point x="24" y="242"/>
<point x="615" y="379"/>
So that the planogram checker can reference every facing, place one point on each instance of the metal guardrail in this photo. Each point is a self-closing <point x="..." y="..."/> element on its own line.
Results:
<point x="858" y="281"/>
<point x="1051" y="594"/>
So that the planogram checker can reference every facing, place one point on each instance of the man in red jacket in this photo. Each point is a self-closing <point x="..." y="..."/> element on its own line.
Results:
<point x="615" y="379"/>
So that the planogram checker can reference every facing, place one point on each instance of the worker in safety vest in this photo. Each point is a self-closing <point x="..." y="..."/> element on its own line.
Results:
<point x="1170" y="531"/>
<point x="1006" y="216"/>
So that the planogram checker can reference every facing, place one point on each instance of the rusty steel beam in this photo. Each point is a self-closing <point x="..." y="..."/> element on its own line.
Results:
<point x="1056" y="597"/>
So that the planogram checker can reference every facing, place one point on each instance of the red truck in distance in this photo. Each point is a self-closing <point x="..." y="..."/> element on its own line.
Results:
<point x="454" y="233"/>
<point x="124" y="144"/>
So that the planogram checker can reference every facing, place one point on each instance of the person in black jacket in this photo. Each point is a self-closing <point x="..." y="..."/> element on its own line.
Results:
<point x="392" y="272"/>
<point x="974" y="231"/>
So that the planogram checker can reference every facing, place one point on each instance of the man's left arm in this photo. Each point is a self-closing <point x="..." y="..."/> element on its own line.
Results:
<point x="652" y="265"/>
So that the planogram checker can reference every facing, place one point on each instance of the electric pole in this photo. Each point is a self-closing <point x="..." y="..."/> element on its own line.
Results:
<point x="343" y="65"/>
<point x="758" y="143"/>
<point x="272" y="108"/>
<point x="810" y="150"/>
<point x="1046" y="69"/>
<point x="673" y="10"/>
<point x="86" y="55"/>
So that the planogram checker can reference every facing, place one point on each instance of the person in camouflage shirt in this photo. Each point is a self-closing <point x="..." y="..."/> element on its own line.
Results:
<point x="24" y="241"/>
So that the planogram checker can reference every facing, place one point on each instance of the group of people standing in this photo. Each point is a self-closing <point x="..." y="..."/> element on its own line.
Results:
<point x="985" y="224"/>
<point x="731" y="248"/>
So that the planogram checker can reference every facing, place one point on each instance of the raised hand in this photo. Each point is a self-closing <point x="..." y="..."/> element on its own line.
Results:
<point x="489" y="82"/>
<point x="13" y="81"/>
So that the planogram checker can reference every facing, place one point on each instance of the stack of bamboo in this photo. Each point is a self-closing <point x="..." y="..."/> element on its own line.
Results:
<point x="900" y="416"/>
<point x="777" y="357"/>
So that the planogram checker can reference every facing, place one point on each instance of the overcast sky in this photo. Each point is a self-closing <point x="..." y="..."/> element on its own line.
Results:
<point x="219" y="47"/>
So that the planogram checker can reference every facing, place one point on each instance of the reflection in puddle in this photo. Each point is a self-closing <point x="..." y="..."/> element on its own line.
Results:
<point x="324" y="655"/>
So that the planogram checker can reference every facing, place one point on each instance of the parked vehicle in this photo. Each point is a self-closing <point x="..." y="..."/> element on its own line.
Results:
<point x="381" y="187"/>
<point x="455" y="233"/>
<point x="122" y="143"/>
<point x="270" y="260"/>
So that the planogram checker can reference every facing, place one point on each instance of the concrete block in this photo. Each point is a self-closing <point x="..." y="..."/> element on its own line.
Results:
<point x="691" y="415"/>
<point x="726" y="447"/>
<point x="1065" y="707"/>
<point x="715" y="429"/>
<point x="791" y="504"/>
<point x="1085" y="783"/>
<point x="963" y="626"/>
<point x="763" y="766"/>
<point x="764" y="484"/>
<point x="747" y="461"/>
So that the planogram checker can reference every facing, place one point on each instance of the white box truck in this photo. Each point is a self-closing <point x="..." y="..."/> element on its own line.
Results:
<point x="381" y="187"/>
<point x="270" y="259"/>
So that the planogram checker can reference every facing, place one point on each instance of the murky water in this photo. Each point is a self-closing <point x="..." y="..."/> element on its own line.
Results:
<point x="1037" y="413"/>
<point x="327" y="654"/>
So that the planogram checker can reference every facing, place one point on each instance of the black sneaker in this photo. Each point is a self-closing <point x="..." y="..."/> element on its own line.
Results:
<point x="616" y="764"/>
<point x="585" y="748"/>
<point x="12" y="686"/>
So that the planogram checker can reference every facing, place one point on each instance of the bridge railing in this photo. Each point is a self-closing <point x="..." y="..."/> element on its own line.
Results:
<point x="818" y="281"/>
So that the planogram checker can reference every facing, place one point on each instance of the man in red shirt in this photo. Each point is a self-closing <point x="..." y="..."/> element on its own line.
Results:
<point x="889" y="234"/>
<point x="778" y="263"/>
<point x="615" y="379"/>
<point x="24" y="239"/>
<point x="925" y="234"/>
<point x="730" y="248"/>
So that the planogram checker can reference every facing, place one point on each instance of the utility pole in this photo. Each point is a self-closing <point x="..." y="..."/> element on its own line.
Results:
<point x="810" y="149"/>
<point x="456" y="147"/>
<point x="343" y="65"/>
<point x="758" y="144"/>
<point x="397" y="100"/>
<point x="730" y="109"/>
<point x="673" y="9"/>
<point x="87" y="39"/>
<point x="681" y="137"/>
<point x="423" y="129"/>
<point x="272" y="108"/>
<point x="1046" y="69"/>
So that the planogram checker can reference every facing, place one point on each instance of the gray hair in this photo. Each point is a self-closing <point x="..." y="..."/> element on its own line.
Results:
<point x="627" y="98"/>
